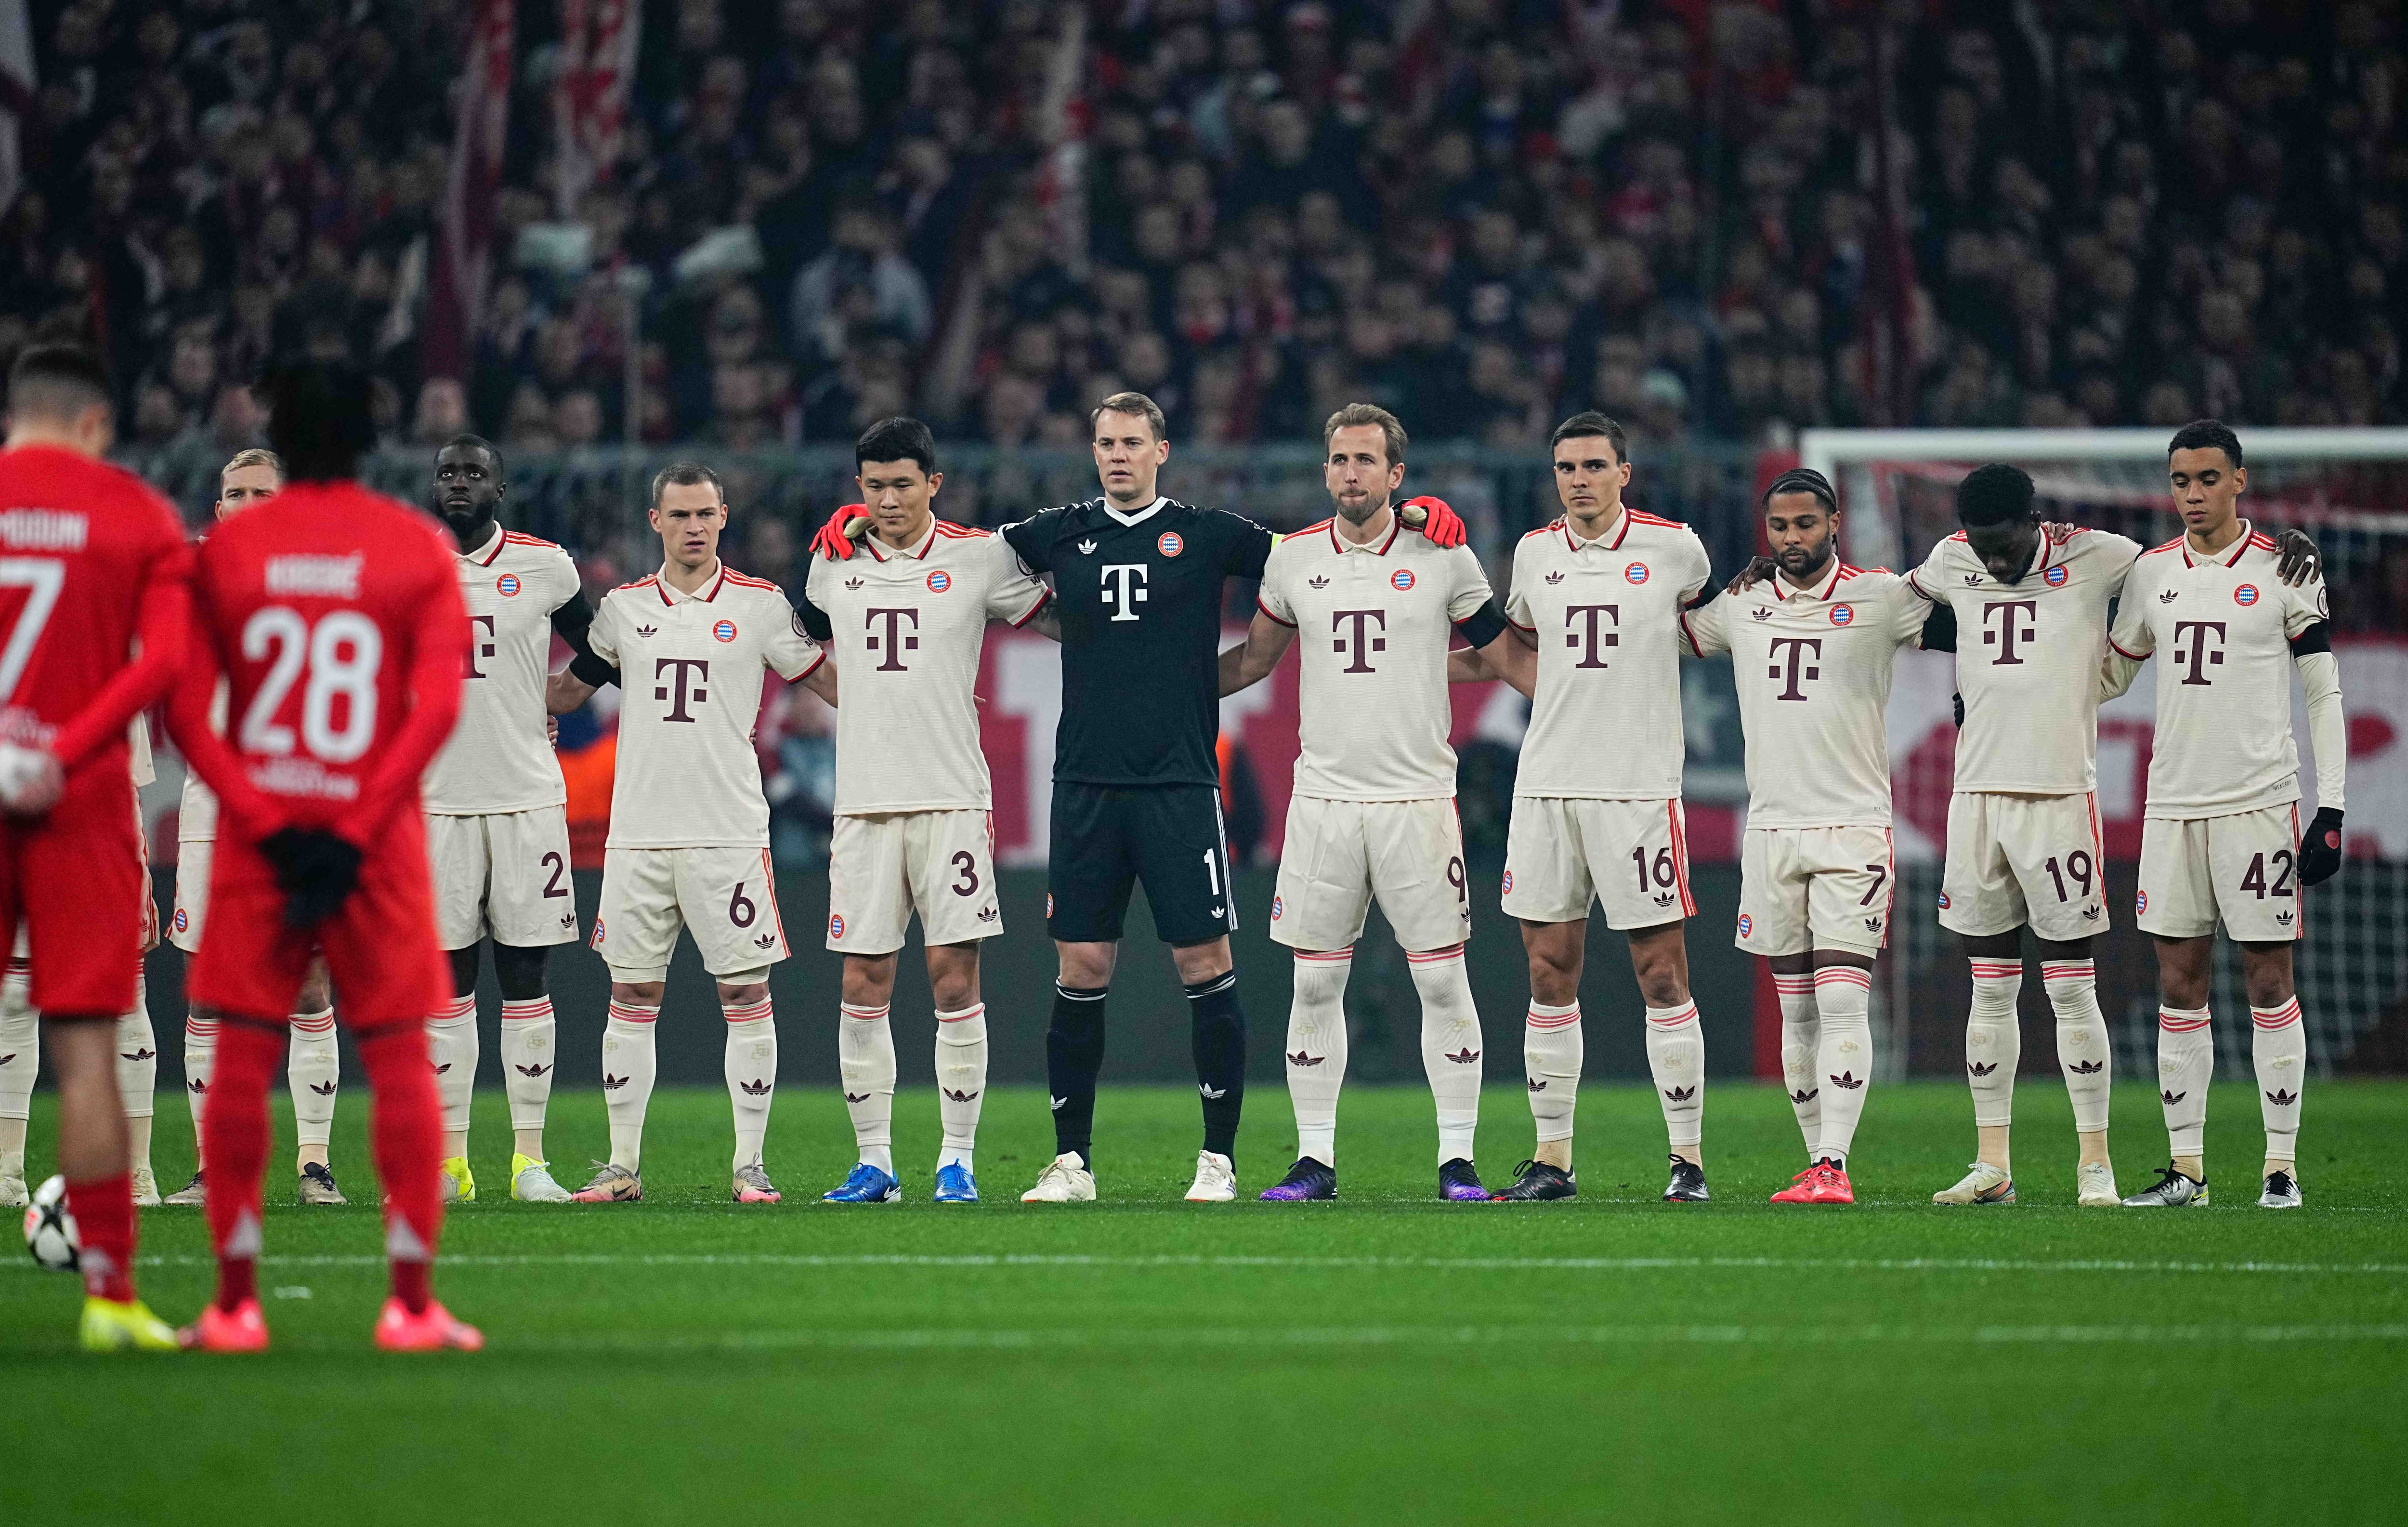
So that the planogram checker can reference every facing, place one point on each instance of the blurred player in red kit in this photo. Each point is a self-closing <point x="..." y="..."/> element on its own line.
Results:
<point x="91" y="561"/>
<point x="335" y="615"/>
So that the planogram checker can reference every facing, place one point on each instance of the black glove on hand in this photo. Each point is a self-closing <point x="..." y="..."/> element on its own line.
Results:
<point x="315" y="868"/>
<point x="1956" y="703"/>
<point x="2320" y="849"/>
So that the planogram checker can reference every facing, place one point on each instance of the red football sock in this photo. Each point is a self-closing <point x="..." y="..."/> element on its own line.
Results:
<point x="104" y="1214"/>
<point x="406" y="1131"/>
<point x="234" y="1141"/>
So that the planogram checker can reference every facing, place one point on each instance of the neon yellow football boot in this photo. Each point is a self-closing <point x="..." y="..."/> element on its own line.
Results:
<point x="459" y="1183"/>
<point x="111" y="1327"/>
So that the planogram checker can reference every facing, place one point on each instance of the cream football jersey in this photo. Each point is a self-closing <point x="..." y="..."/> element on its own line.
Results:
<point x="906" y="629"/>
<point x="690" y="670"/>
<point x="2220" y="629"/>
<point x="1372" y="626"/>
<point x="2027" y="659"/>
<point x="1813" y="670"/>
<point x="499" y="757"/>
<point x="196" y="813"/>
<point x="1605" y="723"/>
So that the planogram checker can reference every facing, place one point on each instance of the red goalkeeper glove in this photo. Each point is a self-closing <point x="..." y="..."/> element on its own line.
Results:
<point x="834" y="539"/>
<point x="1441" y="524"/>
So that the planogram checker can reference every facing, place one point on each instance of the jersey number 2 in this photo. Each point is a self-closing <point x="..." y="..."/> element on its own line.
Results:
<point x="342" y="653"/>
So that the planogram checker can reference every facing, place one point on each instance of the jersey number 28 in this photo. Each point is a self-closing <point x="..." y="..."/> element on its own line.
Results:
<point x="339" y="703"/>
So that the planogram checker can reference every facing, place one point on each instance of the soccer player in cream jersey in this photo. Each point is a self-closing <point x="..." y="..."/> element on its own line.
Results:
<point x="689" y="844"/>
<point x="1811" y="648"/>
<point x="1372" y="815"/>
<point x="314" y="1064"/>
<point x="2220" y="837"/>
<point x="905" y="625"/>
<point x="497" y="814"/>
<point x="1597" y="801"/>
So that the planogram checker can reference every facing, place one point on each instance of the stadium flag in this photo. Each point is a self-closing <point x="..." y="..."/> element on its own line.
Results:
<point x="16" y="92"/>
<point x="463" y="247"/>
<point x="588" y="99"/>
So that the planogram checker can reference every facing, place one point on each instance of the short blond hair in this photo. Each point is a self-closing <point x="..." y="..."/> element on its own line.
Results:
<point x="1132" y="403"/>
<point x="257" y="455"/>
<point x="1354" y="415"/>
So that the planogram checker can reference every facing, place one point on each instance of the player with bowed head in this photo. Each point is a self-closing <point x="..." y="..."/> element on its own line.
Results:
<point x="2220" y="835"/>
<point x="334" y="614"/>
<point x="93" y="562"/>
<point x="1372" y="815"/>
<point x="1598" y="598"/>
<point x="689" y="844"/>
<point x="1138" y="582"/>
<point x="497" y="814"/>
<point x="904" y="622"/>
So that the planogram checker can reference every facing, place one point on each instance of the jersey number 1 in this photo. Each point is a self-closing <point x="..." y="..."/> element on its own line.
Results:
<point x="342" y="653"/>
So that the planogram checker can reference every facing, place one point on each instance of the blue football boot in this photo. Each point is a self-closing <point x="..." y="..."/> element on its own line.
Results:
<point x="865" y="1184"/>
<point x="955" y="1185"/>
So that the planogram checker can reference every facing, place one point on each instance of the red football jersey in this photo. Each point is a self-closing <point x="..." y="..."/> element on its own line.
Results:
<point x="334" y="614"/>
<point x="91" y="558"/>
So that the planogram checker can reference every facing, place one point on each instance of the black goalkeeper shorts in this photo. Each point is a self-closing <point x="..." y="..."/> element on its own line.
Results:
<point x="1107" y="837"/>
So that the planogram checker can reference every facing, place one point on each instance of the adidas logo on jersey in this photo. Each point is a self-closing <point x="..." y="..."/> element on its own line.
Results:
<point x="1761" y="612"/>
<point x="1555" y="577"/>
<point x="648" y="630"/>
<point x="1087" y="548"/>
<point x="1972" y="578"/>
<point x="1316" y="580"/>
<point x="853" y="582"/>
<point x="2170" y="596"/>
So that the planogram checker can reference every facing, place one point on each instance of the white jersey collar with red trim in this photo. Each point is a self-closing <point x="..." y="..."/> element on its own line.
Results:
<point x="1840" y="569"/>
<point x="2192" y="560"/>
<point x="1376" y="548"/>
<point x="881" y="550"/>
<point x="1611" y="540"/>
<point x="483" y="555"/>
<point x="1140" y="516"/>
<point x="707" y="591"/>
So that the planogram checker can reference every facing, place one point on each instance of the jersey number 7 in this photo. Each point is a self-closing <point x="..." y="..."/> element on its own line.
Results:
<point x="41" y="578"/>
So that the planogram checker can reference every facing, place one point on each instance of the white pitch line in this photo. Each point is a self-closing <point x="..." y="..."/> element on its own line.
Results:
<point x="941" y="1339"/>
<point x="1007" y="1260"/>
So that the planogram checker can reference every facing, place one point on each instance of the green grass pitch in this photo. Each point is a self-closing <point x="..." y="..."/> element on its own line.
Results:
<point x="1386" y="1357"/>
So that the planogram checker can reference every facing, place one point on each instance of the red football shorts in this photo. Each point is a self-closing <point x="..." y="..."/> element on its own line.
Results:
<point x="75" y="876"/>
<point x="380" y="947"/>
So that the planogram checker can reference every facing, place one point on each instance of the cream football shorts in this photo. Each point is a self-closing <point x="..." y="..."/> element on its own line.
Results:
<point x="2242" y="867"/>
<point x="884" y="868"/>
<point x="506" y="875"/>
<point x="1340" y="855"/>
<point x="726" y="896"/>
<point x="1803" y="888"/>
<point x="2018" y="860"/>
<point x="1632" y="857"/>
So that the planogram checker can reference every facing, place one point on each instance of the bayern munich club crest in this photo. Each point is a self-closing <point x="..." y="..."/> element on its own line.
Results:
<point x="1842" y="614"/>
<point x="2055" y="577"/>
<point x="940" y="580"/>
<point x="1509" y="881"/>
<point x="2245" y="596"/>
<point x="1944" y="900"/>
<point x="724" y="630"/>
<point x="183" y="923"/>
<point x="1170" y="545"/>
<point x="507" y="584"/>
<point x="1401" y="580"/>
<point x="1746" y="925"/>
<point x="1278" y="906"/>
<point x="2144" y="903"/>
<point x="836" y="925"/>
<point x="1635" y="572"/>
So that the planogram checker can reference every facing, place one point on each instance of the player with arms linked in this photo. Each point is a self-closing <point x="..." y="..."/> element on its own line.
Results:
<point x="1137" y="584"/>
<point x="334" y="614"/>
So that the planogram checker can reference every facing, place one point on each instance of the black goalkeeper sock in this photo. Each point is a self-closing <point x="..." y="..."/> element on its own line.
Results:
<point x="1074" y="1053"/>
<point x="1219" y="1025"/>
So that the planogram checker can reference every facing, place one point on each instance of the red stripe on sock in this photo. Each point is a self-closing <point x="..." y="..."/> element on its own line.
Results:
<point x="965" y="1015"/>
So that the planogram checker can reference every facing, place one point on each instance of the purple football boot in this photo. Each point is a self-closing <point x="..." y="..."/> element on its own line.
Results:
<point x="1307" y="1180"/>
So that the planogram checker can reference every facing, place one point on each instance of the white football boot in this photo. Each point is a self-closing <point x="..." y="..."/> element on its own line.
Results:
<point x="1065" y="1180"/>
<point x="146" y="1188"/>
<point x="1216" y="1180"/>
<point x="1983" y="1184"/>
<point x="2095" y="1187"/>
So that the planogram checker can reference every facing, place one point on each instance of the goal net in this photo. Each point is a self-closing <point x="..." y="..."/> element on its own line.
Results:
<point x="2346" y="488"/>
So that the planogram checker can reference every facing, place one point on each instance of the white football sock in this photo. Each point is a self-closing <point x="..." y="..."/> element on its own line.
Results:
<point x="1316" y="1049"/>
<point x="200" y="1063"/>
<point x="313" y="1070"/>
<point x="864" y="1058"/>
<point x="1798" y="1032"/>
<point x="2072" y="986"/>
<point x="1551" y="1058"/>
<point x="20" y="1058"/>
<point x="1843" y="1053"/>
<point x="137" y="1074"/>
<point x="1676" y="1057"/>
<point x="2279" y="1046"/>
<point x="530" y="1056"/>
<point x="961" y="1082"/>
<point x="1994" y="1041"/>
<point x="2186" y="1064"/>
<point x="628" y="1066"/>
<point x="451" y="1046"/>
<point x="1451" y="1047"/>
<point x="750" y="1063"/>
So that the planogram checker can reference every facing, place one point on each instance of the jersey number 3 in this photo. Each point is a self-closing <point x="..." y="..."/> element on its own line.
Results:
<point x="341" y="655"/>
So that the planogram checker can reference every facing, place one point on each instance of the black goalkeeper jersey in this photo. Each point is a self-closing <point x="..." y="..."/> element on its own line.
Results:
<point x="1140" y="611"/>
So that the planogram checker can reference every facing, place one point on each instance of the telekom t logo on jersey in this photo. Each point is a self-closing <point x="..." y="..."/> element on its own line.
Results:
<point x="894" y="644"/>
<point x="480" y="642"/>
<point x="685" y="677"/>
<point x="1585" y="636"/>
<point x="1364" y="644"/>
<point x="2006" y="633"/>
<point x="2203" y="653"/>
<point x="1124" y="589"/>
<point x="1804" y="652"/>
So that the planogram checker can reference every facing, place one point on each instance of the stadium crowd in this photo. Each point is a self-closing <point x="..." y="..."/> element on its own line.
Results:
<point x="1481" y="213"/>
